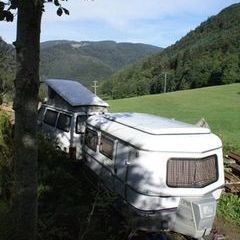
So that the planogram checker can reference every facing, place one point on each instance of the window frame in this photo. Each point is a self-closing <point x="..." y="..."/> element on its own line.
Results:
<point x="44" y="118"/>
<point x="96" y="140"/>
<point x="108" y="138"/>
<point x="69" y="127"/>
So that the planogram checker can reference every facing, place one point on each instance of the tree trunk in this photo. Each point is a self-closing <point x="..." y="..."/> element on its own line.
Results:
<point x="25" y="106"/>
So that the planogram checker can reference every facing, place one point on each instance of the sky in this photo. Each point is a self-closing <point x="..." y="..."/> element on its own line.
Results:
<point x="156" y="22"/>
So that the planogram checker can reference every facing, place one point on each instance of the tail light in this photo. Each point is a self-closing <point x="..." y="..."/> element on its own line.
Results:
<point x="72" y="153"/>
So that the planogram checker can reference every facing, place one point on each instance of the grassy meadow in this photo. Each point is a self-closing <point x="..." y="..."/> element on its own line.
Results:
<point x="218" y="105"/>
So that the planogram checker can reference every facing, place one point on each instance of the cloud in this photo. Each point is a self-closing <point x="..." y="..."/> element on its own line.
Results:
<point x="118" y="11"/>
<point x="159" y="22"/>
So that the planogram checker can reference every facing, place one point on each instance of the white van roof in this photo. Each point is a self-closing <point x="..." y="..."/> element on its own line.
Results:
<point x="75" y="93"/>
<point x="149" y="132"/>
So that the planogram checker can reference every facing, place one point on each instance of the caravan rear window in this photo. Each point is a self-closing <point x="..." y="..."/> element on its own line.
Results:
<point x="106" y="146"/>
<point x="91" y="139"/>
<point x="50" y="117"/>
<point x="64" y="122"/>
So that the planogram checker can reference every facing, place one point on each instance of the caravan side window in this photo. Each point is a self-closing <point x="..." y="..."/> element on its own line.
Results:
<point x="91" y="139"/>
<point x="50" y="117"/>
<point x="106" y="146"/>
<point x="64" y="122"/>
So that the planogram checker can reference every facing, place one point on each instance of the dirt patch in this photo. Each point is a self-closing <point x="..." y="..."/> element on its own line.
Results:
<point x="229" y="230"/>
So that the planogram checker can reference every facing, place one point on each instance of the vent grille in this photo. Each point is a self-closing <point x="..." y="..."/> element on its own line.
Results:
<point x="192" y="173"/>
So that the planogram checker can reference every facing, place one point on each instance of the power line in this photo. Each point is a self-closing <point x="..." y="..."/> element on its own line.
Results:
<point x="95" y="86"/>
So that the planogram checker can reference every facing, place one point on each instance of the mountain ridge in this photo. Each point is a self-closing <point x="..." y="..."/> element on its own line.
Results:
<point x="206" y="56"/>
<point x="90" y="60"/>
<point x="84" y="61"/>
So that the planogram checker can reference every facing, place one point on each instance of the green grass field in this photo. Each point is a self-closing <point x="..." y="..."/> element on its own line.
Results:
<point x="220" y="106"/>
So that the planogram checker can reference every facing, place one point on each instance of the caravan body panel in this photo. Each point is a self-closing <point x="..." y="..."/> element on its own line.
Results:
<point x="153" y="170"/>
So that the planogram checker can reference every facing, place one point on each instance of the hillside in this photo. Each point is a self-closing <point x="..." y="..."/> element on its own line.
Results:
<point x="7" y="66"/>
<point x="207" y="56"/>
<point x="87" y="61"/>
<point x="220" y="106"/>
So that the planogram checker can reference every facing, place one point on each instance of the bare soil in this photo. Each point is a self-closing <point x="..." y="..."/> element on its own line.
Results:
<point x="229" y="230"/>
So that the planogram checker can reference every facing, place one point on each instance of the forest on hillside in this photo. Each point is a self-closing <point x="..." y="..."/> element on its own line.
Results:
<point x="7" y="68"/>
<point x="84" y="62"/>
<point x="209" y="55"/>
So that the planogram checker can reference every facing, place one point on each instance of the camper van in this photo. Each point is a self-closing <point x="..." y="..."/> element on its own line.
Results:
<point x="168" y="173"/>
<point x="63" y="115"/>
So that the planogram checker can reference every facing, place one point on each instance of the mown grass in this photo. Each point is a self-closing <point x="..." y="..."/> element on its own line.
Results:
<point x="218" y="105"/>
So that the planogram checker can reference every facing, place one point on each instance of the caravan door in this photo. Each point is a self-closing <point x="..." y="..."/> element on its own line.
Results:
<point x="120" y="167"/>
<point x="78" y="134"/>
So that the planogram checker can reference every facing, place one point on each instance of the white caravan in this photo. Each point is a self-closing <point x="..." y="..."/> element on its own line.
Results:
<point x="169" y="173"/>
<point x="63" y="115"/>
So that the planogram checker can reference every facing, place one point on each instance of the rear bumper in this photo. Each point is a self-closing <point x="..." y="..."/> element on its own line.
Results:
<point x="193" y="217"/>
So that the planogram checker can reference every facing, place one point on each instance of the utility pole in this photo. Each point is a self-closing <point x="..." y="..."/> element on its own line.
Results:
<point x="165" y="83"/>
<point x="95" y="86"/>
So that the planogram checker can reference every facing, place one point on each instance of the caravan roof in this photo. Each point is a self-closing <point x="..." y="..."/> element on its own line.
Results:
<point x="155" y="125"/>
<point x="149" y="132"/>
<point x="75" y="93"/>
